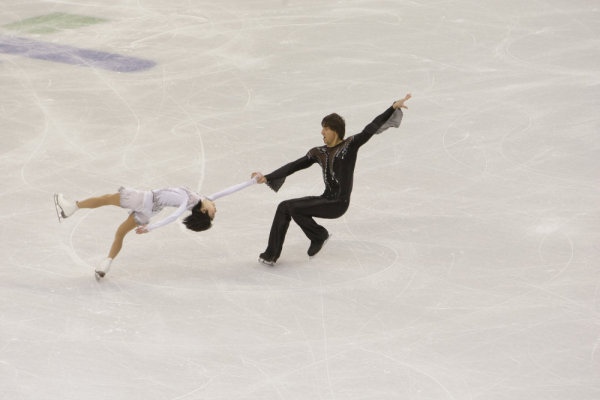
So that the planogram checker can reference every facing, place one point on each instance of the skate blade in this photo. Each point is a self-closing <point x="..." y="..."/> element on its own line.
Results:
<point x="265" y="262"/>
<point x="58" y="209"/>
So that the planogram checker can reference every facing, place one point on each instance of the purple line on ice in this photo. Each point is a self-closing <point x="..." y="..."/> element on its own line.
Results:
<point x="72" y="55"/>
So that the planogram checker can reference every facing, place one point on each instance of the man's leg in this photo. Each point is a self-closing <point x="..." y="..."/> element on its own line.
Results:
<point x="302" y="211"/>
<point x="279" y="227"/>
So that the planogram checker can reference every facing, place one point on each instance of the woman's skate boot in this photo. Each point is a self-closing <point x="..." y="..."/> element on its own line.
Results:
<point x="103" y="267"/>
<point x="64" y="208"/>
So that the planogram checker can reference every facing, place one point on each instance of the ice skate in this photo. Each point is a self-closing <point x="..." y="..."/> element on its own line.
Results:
<point x="316" y="246"/>
<point x="102" y="269"/>
<point x="64" y="208"/>
<point x="265" y="259"/>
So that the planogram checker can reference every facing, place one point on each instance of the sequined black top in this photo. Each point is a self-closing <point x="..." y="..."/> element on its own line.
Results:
<point x="337" y="162"/>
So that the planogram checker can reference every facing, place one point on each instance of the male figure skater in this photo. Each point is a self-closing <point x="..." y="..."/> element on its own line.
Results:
<point x="337" y="159"/>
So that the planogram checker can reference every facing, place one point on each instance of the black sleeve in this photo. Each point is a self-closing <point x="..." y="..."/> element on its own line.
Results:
<point x="372" y="128"/>
<point x="276" y="178"/>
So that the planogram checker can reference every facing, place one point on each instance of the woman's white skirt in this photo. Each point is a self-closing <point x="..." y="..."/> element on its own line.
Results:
<point x="139" y="202"/>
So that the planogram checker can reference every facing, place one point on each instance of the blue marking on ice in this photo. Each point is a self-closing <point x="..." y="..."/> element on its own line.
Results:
<point x="72" y="55"/>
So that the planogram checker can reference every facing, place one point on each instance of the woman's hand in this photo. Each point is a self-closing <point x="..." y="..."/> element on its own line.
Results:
<point x="141" y="229"/>
<point x="259" y="177"/>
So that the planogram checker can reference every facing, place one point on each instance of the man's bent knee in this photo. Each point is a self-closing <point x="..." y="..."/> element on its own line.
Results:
<point x="284" y="208"/>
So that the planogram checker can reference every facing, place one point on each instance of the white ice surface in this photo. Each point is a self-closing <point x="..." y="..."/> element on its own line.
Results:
<point x="466" y="268"/>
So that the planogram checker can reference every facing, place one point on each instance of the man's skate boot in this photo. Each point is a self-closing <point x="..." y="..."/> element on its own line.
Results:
<point x="103" y="267"/>
<point x="65" y="208"/>
<point x="266" y="259"/>
<point x="316" y="246"/>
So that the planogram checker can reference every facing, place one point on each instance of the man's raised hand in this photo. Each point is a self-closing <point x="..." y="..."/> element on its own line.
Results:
<point x="400" y="103"/>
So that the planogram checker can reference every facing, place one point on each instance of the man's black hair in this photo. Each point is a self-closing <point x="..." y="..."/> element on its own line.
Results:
<point x="197" y="221"/>
<point x="336" y="123"/>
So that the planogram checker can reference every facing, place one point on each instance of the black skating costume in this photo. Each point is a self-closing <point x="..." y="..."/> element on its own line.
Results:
<point x="338" y="164"/>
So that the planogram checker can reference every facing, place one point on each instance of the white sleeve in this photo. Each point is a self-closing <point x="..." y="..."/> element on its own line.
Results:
<point x="180" y="210"/>
<point x="231" y="189"/>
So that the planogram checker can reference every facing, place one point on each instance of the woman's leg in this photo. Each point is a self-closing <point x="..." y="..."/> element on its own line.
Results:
<point x="123" y="229"/>
<point x="100" y="201"/>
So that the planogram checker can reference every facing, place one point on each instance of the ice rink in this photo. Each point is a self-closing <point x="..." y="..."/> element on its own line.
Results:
<point x="467" y="267"/>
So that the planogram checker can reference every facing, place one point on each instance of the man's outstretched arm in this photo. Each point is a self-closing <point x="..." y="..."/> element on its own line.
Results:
<point x="276" y="178"/>
<point x="374" y="126"/>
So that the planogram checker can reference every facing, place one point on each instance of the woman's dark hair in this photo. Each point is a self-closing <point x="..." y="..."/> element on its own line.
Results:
<point x="197" y="221"/>
<point x="336" y="123"/>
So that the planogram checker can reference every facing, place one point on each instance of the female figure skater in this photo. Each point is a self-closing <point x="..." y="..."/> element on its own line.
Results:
<point x="143" y="205"/>
<point x="337" y="159"/>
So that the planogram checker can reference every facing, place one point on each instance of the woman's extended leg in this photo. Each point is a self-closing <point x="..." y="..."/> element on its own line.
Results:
<point x="65" y="208"/>
<point x="100" y="201"/>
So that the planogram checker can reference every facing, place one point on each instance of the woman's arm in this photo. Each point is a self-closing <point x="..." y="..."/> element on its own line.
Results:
<point x="176" y="214"/>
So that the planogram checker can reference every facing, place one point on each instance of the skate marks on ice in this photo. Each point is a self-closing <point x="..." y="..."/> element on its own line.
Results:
<point x="294" y="270"/>
<point x="361" y="261"/>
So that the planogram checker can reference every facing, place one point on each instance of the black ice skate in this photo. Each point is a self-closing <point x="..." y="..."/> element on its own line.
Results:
<point x="316" y="246"/>
<point x="265" y="259"/>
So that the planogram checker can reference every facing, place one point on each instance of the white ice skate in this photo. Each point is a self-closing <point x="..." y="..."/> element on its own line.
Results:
<point x="103" y="267"/>
<point x="64" y="208"/>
